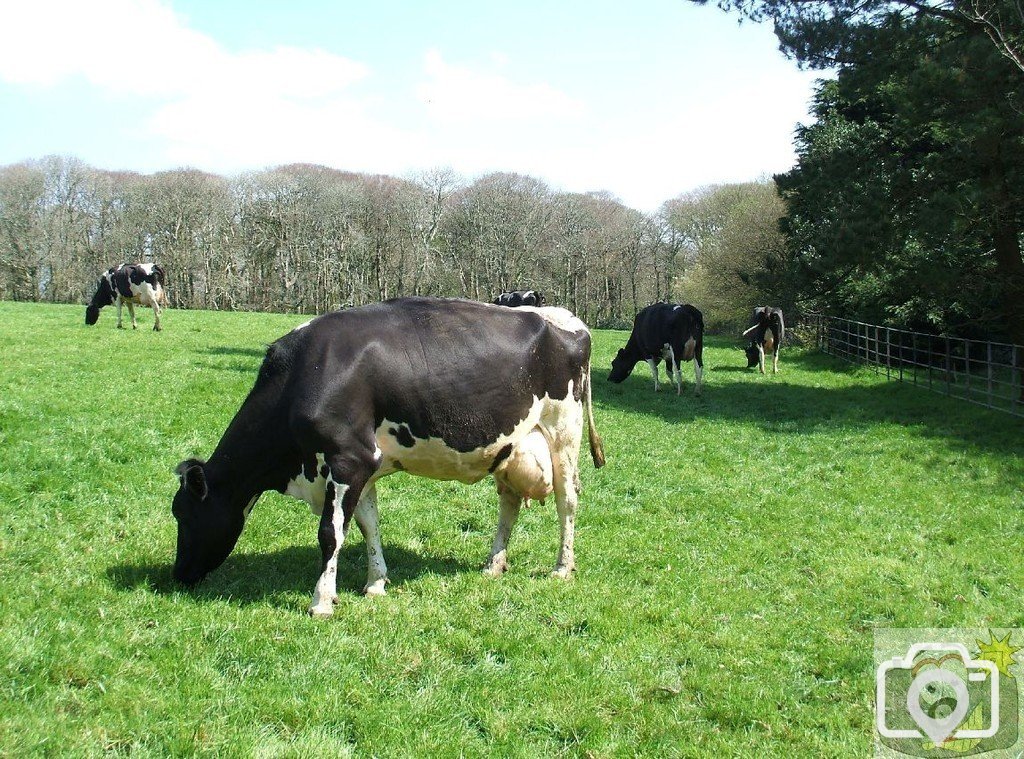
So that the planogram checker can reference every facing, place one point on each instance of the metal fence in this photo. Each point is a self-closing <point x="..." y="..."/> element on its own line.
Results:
<point x="982" y="372"/>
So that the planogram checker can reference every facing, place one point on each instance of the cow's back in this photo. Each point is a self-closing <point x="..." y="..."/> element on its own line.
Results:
<point x="457" y="370"/>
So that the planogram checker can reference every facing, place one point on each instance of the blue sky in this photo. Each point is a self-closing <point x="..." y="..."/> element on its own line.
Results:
<point x="646" y="99"/>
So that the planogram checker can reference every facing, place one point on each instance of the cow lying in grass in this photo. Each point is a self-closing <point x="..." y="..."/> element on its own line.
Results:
<point x="129" y="284"/>
<point x="766" y="332"/>
<point x="666" y="331"/>
<point x="447" y="389"/>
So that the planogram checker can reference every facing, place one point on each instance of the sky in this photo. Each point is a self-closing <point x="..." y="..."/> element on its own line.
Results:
<point x="645" y="99"/>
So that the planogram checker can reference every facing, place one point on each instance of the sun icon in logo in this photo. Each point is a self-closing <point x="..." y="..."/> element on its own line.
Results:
<point x="999" y="651"/>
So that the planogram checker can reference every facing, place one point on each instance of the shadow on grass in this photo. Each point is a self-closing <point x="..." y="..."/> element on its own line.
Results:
<point x="259" y="577"/>
<point x="813" y="403"/>
<point x="230" y="350"/>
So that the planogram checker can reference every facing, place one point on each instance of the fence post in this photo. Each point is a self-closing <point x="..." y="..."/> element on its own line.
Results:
<point x="888" y="353"/>
<point x="967" y="365"/>
<point x="988" y="367"/>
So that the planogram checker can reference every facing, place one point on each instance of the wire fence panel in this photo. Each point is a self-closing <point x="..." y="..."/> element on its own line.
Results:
<point x="979" y="371"/>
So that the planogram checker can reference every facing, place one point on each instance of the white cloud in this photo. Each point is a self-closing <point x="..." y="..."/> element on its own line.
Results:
<point x="455" y="94"/>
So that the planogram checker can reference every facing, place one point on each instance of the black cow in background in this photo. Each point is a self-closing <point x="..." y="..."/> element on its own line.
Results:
<point x="666" y="331"/>
<point x="520" y="298"/>
<point x="129" y="283"/>
<point x="766" y="331"/>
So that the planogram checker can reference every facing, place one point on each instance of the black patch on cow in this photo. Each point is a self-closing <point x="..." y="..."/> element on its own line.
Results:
<point x="324" y="471"/>
<point x="504" y="453"/>
<point x="325" y="535"/>
<point x="309" y="468"/>
<point x="403" y="436"/>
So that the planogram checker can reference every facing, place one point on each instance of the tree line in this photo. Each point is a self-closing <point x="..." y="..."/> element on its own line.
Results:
<point x="308" y="239"/>
<point x="906" y="206"/>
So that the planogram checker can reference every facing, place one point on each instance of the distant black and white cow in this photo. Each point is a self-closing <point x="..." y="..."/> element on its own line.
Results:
<point x="520" y="298"/>
<point x="447" y="389"/>
<point x="766" y="331"/>
<point x="131" y="284"/>
<point x="666" y="331"/>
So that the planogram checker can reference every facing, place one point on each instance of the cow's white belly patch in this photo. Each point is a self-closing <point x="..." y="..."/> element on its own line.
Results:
<point x="433" y="458"/>
<point x="311" y="492"/>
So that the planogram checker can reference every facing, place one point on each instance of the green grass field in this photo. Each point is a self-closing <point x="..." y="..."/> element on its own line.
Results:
<point x="733" y="559"/>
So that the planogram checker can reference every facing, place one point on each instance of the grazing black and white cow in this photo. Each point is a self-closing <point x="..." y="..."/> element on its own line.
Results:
<point x="448" y="389"/>
<point x="666" y="331"/>
<point x="766" y="331"/>
<point x="131" y="284"/>
<point x="520" y="298"/>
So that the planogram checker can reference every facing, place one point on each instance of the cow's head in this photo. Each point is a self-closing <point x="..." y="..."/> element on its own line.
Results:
<point x="753" y="357"/>
<point x="622" y="366"/>
<point x="103" y="296"/>
<point x="208" y="527"/>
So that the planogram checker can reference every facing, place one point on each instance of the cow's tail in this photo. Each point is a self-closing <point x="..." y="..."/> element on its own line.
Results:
<point x="596" y="448"/>
<point x="158" y="272"/>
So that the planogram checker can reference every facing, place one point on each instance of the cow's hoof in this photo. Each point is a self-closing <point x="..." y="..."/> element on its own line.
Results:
<point x="120" y="326"/>
<point x="495" y="569"/>
<point x="157" y="328"/>
<point x="322" y="611"/>
<point x="562" y="573"/>
<point x="376" y="588"/>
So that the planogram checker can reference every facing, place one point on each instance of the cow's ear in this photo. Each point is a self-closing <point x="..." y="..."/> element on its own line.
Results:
<point x="193" y="478"/>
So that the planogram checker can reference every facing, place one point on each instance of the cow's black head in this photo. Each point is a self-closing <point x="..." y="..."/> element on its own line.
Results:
<point x="208" y="527"/>
<point x="92" y="313"/>
<point x="622" y="366"/>
<point x="753" y="357"/>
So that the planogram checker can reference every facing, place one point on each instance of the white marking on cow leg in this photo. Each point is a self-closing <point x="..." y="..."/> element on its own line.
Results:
<point x="654" y="371"/>
<point x="131" y="313"/>
<point x="698" y="377"/>
<point x="760" y="358"/>
<point x="119" y="304"/>
<point x="775" y="362"/>
<point x="326" y="593"/>
<point x="565" y="452"/>
<point x="156" y="312"/>
<point x="369" y="524"/>
<point x="508" y="512"/>
<point x="676" y="375"/>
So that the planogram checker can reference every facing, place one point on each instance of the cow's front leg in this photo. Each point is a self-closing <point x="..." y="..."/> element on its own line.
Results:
<point x="156" y="315"/>
<point x="369" y="524"/>
<point x="675" y="373"/>
<point x="654" y="372"/>
<point x="331" y="536"/>
<point x="508" y="513"/>
<point x="131" y="313"/>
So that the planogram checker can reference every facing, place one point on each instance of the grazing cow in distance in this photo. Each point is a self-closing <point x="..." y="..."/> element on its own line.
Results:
<point x="666" y="331"/>
<point x="520" y="298"/>
<point x="131" y="284"/>
<point x="766" y="331"/>
<point x="447" y="389"/>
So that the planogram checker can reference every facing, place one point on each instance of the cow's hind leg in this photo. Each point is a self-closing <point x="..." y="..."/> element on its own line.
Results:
<point x="156" y="313"/>
<point x="565" y="455"/>
<point x="508" y="513"/>
<point x="120" y="303"/>
<point x="131" y="313"/>
<point x="369" y="524"/>
<point x="760" y="358"/>
<point x="775" y="360"/>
